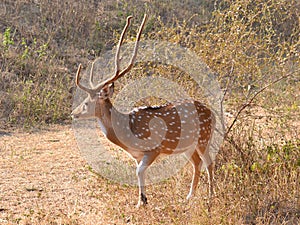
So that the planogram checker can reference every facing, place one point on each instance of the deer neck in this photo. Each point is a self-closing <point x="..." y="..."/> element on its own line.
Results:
<point x="103" y="112"/>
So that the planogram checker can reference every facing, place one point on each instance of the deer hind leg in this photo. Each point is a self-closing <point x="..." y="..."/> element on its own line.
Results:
<point x="146" y="161"/>
<point x="209" y="165"/>
<point x="209" y="170"/>
<point x="197" y="163"/>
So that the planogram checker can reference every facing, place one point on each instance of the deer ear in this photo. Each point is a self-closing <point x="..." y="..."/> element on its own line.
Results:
<point x="111" y="89"/>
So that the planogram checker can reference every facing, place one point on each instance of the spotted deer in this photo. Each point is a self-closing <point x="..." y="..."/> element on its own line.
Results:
<point x="174" y="116"/>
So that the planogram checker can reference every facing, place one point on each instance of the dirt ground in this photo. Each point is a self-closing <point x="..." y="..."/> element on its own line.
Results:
<point x="41" y="176"/>
<point x="45" y="180"/>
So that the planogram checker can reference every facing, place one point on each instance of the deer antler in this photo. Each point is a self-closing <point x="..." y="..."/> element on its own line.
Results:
<point x="117" y="74"/>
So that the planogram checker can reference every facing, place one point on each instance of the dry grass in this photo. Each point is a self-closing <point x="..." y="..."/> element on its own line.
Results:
<point x="44" y="180"/>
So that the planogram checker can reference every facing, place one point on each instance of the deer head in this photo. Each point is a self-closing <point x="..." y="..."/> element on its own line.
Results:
<point x="103" y="91"/>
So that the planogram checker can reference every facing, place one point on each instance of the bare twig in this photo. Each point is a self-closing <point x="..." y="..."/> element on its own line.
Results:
<point x="244" y="106"/>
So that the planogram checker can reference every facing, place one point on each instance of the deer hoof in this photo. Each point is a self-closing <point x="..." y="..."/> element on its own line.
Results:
<point x="144" y="199"/>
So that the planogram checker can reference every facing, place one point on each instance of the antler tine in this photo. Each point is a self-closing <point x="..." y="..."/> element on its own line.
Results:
<point x="92" y="76"/>
<point x="138" y="37"/>
<point x="117" y="57"/>
<point x="88" y="90"/>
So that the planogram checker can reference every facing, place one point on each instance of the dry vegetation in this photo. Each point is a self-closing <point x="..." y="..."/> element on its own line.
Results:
<point x="249" y="44"/>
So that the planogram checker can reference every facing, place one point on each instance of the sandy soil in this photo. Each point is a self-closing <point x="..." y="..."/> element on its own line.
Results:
<point x="45" y="180"/>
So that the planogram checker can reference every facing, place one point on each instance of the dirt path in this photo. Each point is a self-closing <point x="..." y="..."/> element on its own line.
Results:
<point x="44" y="179"/>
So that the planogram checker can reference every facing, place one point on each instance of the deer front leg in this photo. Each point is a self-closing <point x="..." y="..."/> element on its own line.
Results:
<point x="146" y="161"/>
<point x="141" y="183"/>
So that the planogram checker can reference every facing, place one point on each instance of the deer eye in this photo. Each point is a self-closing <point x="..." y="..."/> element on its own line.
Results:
<point x="85" y="105"/>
